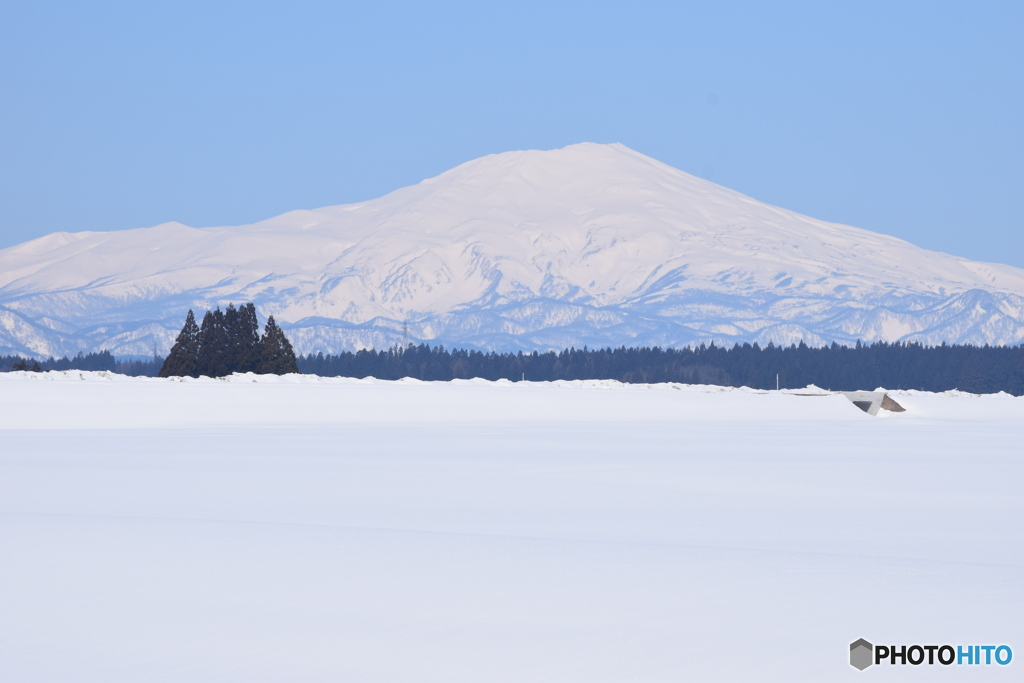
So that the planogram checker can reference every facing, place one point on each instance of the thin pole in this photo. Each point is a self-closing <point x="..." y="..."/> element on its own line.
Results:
<point x="776" y="381"/>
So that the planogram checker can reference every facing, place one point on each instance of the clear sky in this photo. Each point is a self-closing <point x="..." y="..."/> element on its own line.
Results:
<point x="904" y="118"/>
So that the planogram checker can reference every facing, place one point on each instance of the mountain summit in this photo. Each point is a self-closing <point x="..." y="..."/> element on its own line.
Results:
<point x="590" y="244"/>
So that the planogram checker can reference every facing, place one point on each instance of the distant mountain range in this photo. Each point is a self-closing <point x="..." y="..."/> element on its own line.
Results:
<point x="592" y="245"/>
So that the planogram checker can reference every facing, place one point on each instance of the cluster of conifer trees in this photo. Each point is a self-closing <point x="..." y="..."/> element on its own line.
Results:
<point x="25" y="365"/>
<point x="228" y="342"/>
<point x="978" y="369"/>
<point x="101" y="360"/>
<point x="96" y="360"/>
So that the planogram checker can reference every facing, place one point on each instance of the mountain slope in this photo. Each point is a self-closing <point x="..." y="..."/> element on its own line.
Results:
<point x="590" y="244"/>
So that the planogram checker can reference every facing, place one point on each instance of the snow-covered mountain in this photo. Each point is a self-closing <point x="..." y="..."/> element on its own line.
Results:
<point x="590" y="244"/>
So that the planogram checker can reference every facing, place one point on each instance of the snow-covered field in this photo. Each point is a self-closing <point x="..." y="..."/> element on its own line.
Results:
<point x="305" y="529"/>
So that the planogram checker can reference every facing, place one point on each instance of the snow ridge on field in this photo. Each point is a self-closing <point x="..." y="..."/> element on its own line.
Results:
<point x="95" y="400"/>
<point x="588" y="245"/>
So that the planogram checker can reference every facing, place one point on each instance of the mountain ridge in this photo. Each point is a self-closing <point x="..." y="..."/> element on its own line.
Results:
<point x="588" y="244"/>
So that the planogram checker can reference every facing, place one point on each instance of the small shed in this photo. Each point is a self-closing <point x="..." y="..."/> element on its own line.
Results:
<point x="873" y="401"/>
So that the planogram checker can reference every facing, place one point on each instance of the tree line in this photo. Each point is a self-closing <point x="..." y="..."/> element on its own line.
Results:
<point x="900" y="365"/>
<point x="102" y="360"/>
<point x="228" y="341"/>
<point x="94" y="361"/>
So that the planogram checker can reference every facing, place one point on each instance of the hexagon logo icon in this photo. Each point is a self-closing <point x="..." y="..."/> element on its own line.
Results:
<point x="861" y="654"/>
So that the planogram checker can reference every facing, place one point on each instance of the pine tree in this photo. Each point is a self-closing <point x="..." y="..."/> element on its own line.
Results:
<point x="232" y="339"/>
<point x="276" y="354"/>
<point x="182" y="361"/>
<point x="213" y="346"/>
<point x="248" y="339"/>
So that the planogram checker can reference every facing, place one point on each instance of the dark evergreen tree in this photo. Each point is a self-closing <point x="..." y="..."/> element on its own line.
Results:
<point x="276" y="354"/>
<point x="214" y="350"/>
<point x="183" y="359"/>
<point x="248" y="339"/>
<point x="232" y="339"/>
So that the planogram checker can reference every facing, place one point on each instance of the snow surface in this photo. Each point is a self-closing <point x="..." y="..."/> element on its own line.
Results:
<point x="303" y="529"/>
<point x="590" y="244"/>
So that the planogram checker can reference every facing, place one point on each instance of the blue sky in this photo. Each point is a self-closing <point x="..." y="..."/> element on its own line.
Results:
<point x="904" y="118"/>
